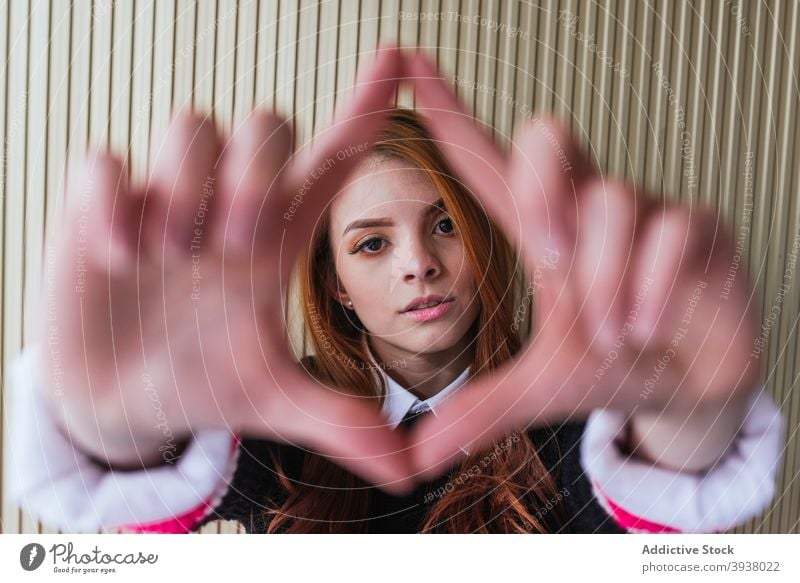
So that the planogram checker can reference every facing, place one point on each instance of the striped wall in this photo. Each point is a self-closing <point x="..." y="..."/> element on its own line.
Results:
<point x="698" y="100"/>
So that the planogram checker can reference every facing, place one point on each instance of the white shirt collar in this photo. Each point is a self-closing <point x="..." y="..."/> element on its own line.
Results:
<point x="399" y="400"/>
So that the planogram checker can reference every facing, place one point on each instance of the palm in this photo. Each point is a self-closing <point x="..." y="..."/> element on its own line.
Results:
<point x="629" y="309"/>
<point x="178" y="311"/>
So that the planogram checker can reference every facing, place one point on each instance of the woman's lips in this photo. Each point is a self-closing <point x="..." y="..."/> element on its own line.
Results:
<point x="428" y="314"/>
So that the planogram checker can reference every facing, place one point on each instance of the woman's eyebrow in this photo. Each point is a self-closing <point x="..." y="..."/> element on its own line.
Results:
<point x="364" y="223"/>
<point x="437" y="206"/>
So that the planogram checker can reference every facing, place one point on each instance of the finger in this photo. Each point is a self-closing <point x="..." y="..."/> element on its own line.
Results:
<point x="546" y="173"/>
<point x="687" y="317"/>
<point x="343" y="428"/>
<point x="523" y="195"/>
<point x="606" y="228"/>
<point x="103" y="211"/>
<point x="182" y="183"/>
<point x="664" y="254"/>
<point x="540" y="387"/>
<point x="470" y="152"/>
<point x="529" y="194"/>
<point x="468" y="421"/>
<point x="547" y="385"/>
<point x="253" y="160"/>
<point x="316" y="175"/>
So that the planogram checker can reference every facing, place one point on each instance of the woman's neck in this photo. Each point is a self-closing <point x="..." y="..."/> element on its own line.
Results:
<point x="426" y="374"/>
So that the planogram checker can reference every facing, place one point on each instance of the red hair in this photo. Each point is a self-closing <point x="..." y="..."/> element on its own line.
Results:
<point x="498" y="498"/>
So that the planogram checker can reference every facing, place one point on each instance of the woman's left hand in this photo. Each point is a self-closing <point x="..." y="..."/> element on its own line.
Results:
<point x="640" y="305"/>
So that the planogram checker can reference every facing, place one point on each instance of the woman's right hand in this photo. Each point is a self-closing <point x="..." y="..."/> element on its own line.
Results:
<point x="165" y="300"/>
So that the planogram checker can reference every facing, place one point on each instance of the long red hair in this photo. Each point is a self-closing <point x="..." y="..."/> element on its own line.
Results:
<point x="502" y="497"/>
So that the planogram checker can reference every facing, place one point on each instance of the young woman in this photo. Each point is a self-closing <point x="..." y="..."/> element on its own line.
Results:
<point x="407" y="291"/>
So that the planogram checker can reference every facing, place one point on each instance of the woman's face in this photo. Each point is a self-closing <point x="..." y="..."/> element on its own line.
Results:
<point x="396" y="251"/>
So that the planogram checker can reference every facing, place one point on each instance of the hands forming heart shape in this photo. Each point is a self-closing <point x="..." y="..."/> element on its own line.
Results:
<point x="172" y="292"/>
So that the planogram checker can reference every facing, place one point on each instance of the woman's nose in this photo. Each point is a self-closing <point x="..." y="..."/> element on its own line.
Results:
<point x="415" y="260"/>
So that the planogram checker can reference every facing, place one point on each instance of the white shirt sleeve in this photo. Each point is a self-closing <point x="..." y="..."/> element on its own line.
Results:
<point x="645" y="498"/>
<point x="64" y="488"/>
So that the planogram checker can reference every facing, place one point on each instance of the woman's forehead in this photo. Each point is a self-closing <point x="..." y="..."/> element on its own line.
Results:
<point x="376" y="186"/>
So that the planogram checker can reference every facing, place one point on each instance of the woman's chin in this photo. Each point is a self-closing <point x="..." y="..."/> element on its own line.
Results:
<point x="433" y="340"/>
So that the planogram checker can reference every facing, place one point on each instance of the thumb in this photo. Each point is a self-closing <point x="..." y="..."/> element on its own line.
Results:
<point x="346" y="429"/>
<point x="545" y="384"/>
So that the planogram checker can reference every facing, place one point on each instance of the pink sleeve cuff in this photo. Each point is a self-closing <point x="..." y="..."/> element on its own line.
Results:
<point x="645" y="498"/>
<point x="187" y="521"/>
<point x="63" y="488"/>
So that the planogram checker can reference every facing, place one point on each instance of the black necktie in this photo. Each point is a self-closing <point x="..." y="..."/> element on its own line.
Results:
<point x="411" y="418"/>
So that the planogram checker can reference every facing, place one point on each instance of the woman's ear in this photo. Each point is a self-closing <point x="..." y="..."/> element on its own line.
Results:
<point x="336" y="289"/>
<point x="345" y="300"/>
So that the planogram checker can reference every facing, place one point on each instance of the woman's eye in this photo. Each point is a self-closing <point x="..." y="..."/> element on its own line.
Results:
<point x="371" y="245"/>
<point x="446" y="226"/>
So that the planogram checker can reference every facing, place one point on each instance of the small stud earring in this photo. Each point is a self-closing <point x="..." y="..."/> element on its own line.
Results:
<point x="350" y="304"/>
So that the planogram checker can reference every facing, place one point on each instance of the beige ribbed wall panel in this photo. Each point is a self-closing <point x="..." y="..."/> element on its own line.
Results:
<point x="696" y="100"/>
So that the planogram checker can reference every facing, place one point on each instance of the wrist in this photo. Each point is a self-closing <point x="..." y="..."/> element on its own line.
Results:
<point x="117" y="446"/>
<point x="689" y="442"/>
